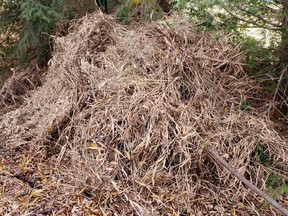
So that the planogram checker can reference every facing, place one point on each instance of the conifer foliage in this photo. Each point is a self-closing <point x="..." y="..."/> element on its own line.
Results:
<point x="25" y="26"/>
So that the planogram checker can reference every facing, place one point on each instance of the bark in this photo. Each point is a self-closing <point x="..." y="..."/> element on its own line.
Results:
<point x="282" y="91"/>
<point x="165" y="5"/>
<point x="284" y="35"/>
<point x="255" y="189"/>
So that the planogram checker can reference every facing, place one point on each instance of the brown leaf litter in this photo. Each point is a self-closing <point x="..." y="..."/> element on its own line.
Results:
<point x="121" y="121"/>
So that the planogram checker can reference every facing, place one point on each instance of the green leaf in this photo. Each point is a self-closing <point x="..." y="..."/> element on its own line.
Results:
<point x="245" y="105"/>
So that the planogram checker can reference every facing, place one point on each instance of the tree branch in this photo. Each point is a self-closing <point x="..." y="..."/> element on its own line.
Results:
<point x="279" y="82"/>
<point x="269" y="199"/>
<point x="249" y="21"/>
<point x="258" y="17"/>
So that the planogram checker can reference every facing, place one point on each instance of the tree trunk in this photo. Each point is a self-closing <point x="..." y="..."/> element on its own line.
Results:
<point x="284" y="35"/>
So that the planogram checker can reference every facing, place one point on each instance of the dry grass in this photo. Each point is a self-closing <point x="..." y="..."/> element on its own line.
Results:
<point x="120" y="125"/>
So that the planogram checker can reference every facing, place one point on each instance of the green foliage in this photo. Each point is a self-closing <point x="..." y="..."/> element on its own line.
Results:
<point x="261" y="156"/>
<point x="277" y="186"/>
<point x="25" y="27"/>
<point x="139" y="10"/>
<point x="271" y="86"/>
<point x="245" y="105"/>
<point x="201" y="15"/>
<point x="181" y="4"/>
<point x="38" y="20"/>
<point x="235" y="14"/>
<point x="9" y="17"/>
<point x="123" y="13"/>
<point x="259" y="59"/>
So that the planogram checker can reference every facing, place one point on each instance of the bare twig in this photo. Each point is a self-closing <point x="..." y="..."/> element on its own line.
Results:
<point x="279" y="82"/>
<point x="43" y="211"/>
<point x="269" y="199"/>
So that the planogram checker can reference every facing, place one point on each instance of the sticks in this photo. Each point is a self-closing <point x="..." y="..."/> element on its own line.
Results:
<point x="269" y="199"/>
<point x="279" y="82"/>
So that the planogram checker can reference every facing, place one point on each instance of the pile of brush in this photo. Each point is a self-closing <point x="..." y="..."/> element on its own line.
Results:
<point x="123" y="119"/>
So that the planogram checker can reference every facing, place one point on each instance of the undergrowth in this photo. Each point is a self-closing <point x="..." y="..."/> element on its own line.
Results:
<point x="276" y="184"/>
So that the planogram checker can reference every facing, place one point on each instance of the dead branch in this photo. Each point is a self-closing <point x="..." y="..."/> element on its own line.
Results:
<point x="279" y="82"/>
<point x="265" y="196"/>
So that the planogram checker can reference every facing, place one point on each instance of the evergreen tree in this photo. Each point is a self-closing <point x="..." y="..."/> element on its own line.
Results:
<point x="25" y="27"/>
